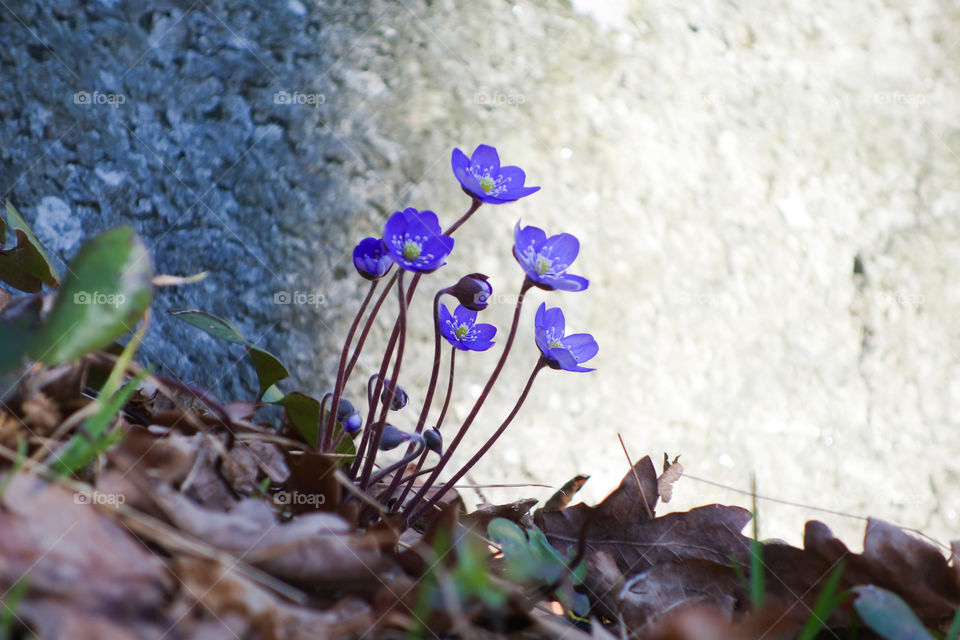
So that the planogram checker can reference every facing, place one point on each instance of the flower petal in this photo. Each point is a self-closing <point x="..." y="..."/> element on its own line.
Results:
<point x="562" y="249"/>
<point x="459" y="160"/>
<point x="569" y="282"/>
<point x="581" y="345"/>
<point x="486" y="156"/>
<point x="483" y="332"/>
<point x="462" y="315"/>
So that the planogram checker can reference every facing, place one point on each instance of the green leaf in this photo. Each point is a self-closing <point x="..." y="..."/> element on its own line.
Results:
<point x="887" y="614"/>
<point x="304" y="413"/>
<point x="26" y="266"/>
<point x="272" y="395"/>
<point x="103" y="296"/>
<point x="93" y="437"/>
<point x="213" y="325"/>
<point x="531" y="559"/>
<point x="269" y="369"/>
<point x="826" y="602"/>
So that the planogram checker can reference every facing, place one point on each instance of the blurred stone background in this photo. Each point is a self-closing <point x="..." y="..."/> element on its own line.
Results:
<point x="766" y="194"/>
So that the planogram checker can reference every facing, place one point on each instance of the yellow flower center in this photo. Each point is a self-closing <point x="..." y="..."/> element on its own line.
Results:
<point x="462" y="331"/>
<point x="555" y="344"/>
<point x="487" y="184"/>
<point x="411" y="250"/>
<point x="542" y="265"/>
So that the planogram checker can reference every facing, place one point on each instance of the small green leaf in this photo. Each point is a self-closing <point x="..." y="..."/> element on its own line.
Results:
<point x="26" y="266"/>
<point x="304" y="413"/>
<point x="887" y="614"/>
<point x="213" y="325"/>
<point x="531" y="559"/>
<point x="103" y="296"/>
<point x="93" y="437"/>
<point x="269" y="369"/>
<point x="272" y="395"/>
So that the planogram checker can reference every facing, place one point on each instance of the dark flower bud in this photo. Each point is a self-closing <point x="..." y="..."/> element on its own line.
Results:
<point x="434" y="441"/>
<point x="371" y="258"/>
<point x="392" y="437"/>
<point x="472" y="291"/>
<point x="352" y="423"/>
<point x="344" y="409"/>
<point x="399" y="399"/>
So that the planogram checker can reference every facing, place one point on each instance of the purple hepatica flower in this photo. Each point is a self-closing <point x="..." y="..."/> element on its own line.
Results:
<point x="372" y="259"/>
<point x="561" y="352"/>
<point x="461" y="330"/>
<point x="482" y="177"/>
<point x="415" y="241"/>
<point x="546" y="260"/>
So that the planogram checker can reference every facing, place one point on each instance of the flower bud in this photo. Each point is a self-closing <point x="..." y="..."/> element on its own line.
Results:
<point x="434" y="441"/>
<point x="472" y="291"/>
<point x="372" y="259"/>
<point x="392" y="437"/>
<point x="352" y="423"/>
<point x="344" y="409"/>
<point x="399" y="399"/>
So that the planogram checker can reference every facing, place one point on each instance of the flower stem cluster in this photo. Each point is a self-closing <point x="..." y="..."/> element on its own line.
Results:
<point x="413" y="241"/>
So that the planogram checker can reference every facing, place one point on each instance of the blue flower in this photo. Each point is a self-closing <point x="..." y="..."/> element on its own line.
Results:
<point x="561" y="352"/>
<point x="482" y="177"/>
<point x="415" y="241"/>
<point x="546" y="260"/>
<point x="461" y="330"/>
<point x="372" y="259"/>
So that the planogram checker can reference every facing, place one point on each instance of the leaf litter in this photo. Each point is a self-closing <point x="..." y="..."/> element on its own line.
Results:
<point x="206" y="522"/>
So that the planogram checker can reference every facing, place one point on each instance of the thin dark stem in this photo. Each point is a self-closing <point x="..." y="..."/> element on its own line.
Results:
<point x="366" y="328"/>
<point x="527" y="283"/>
<point x="327" y="432"/>
<point x="370" y="429"/>
<point x="446" y="400"/>
<point x="419" y="513"/>
<point x="394" y="335"/>
<point x="428" y="400"/>
<point x="443" y="413"/>
<point x="374" y="443"/>
<point x="456" y="225"/>
<point x="418" y="445"/>
<point x="435" y="371"/>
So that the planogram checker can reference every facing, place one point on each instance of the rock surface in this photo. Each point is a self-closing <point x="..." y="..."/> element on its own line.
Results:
<point x="766" y="197"/>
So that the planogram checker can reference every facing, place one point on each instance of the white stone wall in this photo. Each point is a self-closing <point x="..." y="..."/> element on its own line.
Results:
<point x="723" y="166"/>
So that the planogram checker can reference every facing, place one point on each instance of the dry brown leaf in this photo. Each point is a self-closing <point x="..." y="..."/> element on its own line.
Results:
<point x="317" y="547"/>
<point x="515" y="511"/>
<point x="60" y="619"/>
<point x="564" y="494"/>
<point x="671" y="473"/>
<point x="41" y="413"/>
<point x="214" y="591"/>
<point x="66" y="548"/>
